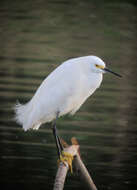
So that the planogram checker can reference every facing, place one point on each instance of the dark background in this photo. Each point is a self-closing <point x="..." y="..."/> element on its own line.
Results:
<point x="35" y="37"/>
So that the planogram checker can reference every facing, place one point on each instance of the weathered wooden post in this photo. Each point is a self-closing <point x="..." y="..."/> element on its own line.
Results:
<point x="73" y="152"/>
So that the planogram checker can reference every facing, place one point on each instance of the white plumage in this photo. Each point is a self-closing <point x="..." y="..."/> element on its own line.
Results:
<point x="63" y="91"/>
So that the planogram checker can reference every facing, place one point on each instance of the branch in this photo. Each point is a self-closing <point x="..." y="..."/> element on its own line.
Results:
<point x="78" y="164"/>
<point x="63" y="168"/>
<point x="83" y="172"/>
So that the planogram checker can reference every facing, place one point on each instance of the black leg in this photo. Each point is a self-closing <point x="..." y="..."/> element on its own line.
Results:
<point x="57" y="139"/>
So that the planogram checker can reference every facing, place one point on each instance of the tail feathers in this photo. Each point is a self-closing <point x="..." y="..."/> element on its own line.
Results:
<point x="23" y="116"/>
<point x="36" y="126"/>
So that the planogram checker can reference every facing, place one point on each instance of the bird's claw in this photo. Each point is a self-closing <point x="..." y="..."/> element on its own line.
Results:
<point x="66" y="158"/>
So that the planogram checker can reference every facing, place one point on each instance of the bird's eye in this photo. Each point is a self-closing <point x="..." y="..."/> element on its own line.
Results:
<point x="97" y="65"/>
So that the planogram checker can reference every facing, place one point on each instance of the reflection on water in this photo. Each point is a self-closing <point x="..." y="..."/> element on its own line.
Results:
<point x="35" y="37"/>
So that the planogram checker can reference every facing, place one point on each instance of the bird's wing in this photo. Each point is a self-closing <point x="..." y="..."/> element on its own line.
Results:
<point x="56" y="92"/>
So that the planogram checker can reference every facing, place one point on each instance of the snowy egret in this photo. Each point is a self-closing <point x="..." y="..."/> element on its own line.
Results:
<point x="62" y="92"/>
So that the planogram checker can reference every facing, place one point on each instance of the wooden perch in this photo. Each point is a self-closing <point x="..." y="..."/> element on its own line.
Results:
<point x="83" y="172"/>
<point x="78" y="164"/>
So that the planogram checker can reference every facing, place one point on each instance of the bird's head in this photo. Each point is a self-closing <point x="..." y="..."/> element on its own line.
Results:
<point x="98" y="66"/>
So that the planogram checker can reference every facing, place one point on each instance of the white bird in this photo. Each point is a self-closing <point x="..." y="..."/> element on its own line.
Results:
<point x="62" y="92"/>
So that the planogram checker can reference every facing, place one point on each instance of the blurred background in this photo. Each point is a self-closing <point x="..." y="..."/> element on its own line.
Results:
<point x="35" y="37"/>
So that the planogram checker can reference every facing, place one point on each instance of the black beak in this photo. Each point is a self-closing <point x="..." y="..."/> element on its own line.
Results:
<point x="108" y="70"/>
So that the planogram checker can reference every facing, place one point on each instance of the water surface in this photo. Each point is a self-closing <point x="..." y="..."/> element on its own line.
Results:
<point x="35" y="37"/>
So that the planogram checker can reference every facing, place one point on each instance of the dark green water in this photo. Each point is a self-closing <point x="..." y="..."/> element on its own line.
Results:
<point x="35" y="37"/>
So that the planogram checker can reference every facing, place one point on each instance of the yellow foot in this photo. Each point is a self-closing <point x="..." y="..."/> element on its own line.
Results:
<point x="66" y="157"/>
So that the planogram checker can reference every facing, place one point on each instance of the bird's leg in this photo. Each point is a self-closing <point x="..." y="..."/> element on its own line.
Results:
<point x="57" y="139"/>
<point x="63" y="156"/>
